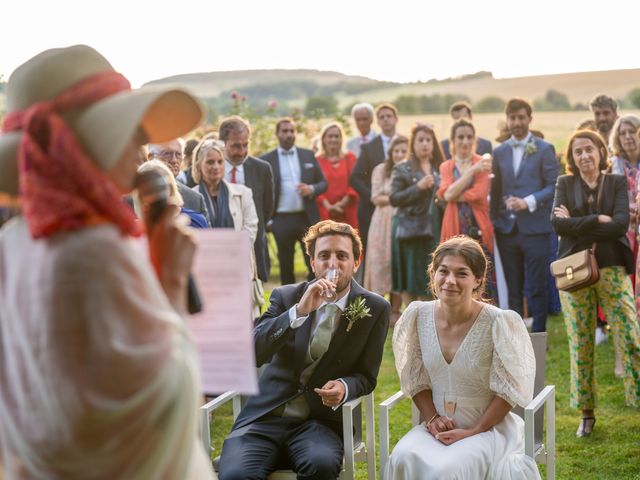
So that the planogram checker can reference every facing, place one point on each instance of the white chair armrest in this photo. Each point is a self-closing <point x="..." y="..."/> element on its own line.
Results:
<point x="209" y="407"/>
<point x="383" y="412"/>
<point x="545" y="398"/>
<point x="347" y="435"/>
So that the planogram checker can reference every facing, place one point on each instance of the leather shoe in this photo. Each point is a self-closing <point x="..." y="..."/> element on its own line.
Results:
<point x="586" y="426"/>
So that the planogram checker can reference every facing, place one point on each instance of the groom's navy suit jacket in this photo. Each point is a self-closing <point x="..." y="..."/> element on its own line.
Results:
<point x="354" y="356"/>
<point x="536" y="176"/>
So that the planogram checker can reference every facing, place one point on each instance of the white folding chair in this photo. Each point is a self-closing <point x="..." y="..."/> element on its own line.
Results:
<point x="543" y="452"/>
<point x="355" y="449"/>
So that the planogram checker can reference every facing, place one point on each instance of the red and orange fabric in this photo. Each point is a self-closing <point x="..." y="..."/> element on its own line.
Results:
<point x="60" y="187"/>
<point x="477" y="198"/>
<point x="337" y="176"/>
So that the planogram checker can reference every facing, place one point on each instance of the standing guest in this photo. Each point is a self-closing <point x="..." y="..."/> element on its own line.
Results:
<point x="625" y="148"/>
<point x="593" y="207"/>
<point x="340" y="201"/>
<point x="525" y="169"/>
<point x="465" y="189"/>
<point x="362" y="114"/>
<point x="298" y="181"/>
<point x="459" y="350"/>
<point x="230" y="205"/>
<point x="372" y="154"/>
<point x="414" y="184"/>
<point x="463" y="110"/>
<point x="197" y="220"/>
<point x="317" y="358"/>
<point x="98" y="375"/>
<point x="605" y="113"/>
<point x="185" y="176"/>
<point x="252" y="172"/>
<point x="170" y="153"/>
<point x="377" y="277"/>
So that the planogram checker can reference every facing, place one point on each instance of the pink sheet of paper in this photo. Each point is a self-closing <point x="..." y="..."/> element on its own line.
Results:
<point x="222" y="332"/>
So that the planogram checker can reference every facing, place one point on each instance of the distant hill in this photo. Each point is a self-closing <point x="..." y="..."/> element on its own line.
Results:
<point x="213" y="84"/>
<point x="297" y="85"/>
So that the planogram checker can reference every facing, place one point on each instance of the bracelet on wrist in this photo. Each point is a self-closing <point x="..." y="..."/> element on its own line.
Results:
<point x="432" y="419"/>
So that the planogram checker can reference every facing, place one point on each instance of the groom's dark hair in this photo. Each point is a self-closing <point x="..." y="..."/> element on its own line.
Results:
<point x="329" y="227"/>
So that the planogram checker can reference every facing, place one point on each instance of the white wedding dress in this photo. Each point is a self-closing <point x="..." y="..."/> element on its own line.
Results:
<point x="495" y="358"/>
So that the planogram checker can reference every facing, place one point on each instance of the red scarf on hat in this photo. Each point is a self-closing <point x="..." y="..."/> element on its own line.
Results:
<point x="61" y="188"/>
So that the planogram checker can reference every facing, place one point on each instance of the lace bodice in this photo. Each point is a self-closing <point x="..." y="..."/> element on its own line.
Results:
<point x="495" y="357"/>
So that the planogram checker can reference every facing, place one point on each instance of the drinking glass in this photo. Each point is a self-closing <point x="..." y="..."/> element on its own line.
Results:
<point x="506" y="198"/>
<point x="331" y="275"/>
<point x="450" y="402"/>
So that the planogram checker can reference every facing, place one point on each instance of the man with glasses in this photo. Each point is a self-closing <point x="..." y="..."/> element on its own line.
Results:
<point x="170" y="154"/>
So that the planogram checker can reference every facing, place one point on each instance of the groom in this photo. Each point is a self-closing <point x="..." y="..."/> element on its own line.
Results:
<point x="525" y="170"/>
<point x="319" y="355"/>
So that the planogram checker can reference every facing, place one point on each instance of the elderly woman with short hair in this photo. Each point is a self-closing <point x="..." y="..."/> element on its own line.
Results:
<point x="591" y="207"/>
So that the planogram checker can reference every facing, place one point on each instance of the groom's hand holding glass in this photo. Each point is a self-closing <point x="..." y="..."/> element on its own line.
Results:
<point x="321" y="291"/>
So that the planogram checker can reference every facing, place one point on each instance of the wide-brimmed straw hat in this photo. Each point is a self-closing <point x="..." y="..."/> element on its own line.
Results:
<point x="105" y="127"/>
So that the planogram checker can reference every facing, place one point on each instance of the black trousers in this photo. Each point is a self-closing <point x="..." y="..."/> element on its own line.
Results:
<point x="308" y="447"/>
<point x="289" y="228"/>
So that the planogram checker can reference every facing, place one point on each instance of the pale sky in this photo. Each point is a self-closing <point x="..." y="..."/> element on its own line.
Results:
<point x="397" y="40"/>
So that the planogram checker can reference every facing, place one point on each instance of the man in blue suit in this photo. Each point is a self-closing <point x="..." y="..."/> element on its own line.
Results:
<point x="463" y="110"/>
<point x="525" y="169"/>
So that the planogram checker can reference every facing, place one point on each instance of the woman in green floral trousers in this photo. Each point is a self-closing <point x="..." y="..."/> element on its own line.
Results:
<point x="593" y="207"/>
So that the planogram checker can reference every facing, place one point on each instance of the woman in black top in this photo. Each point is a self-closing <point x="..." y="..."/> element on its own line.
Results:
<point x="416" y="224"/>
<point x="581" y="217"/>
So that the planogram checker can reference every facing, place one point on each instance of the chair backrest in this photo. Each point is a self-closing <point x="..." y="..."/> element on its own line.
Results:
<point x="539" y="342"/>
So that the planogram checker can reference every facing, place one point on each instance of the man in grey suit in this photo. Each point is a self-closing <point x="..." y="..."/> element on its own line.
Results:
<point x="463" y="110"/>
<point x="240" y="167"/>
<point x="170" y="153"/>
<point x="298" y="180"/>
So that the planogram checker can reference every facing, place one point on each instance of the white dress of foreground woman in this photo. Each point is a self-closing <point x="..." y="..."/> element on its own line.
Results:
<point x="495" y="358"/>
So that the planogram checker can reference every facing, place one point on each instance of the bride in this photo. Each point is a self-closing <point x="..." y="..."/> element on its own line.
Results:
<point x="465" y="363"/>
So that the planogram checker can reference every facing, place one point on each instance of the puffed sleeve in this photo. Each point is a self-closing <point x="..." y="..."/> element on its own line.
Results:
<point x="414" y="377"/>
<point x="513" y="367"/>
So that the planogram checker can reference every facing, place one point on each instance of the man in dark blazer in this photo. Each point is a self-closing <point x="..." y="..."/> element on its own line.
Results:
<point x="170" y="153"/>
<point x="372" y="154"/>
<point x="298" y="180"/>
<point x="463" y="110"/>
<point x="319" y="355"/>
<point x="525" y="169"/>
<point x="254" y="173"/>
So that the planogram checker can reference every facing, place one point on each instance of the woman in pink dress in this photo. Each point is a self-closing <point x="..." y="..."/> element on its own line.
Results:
<point x="377" y="272"/>
<point x="340" y="201"/>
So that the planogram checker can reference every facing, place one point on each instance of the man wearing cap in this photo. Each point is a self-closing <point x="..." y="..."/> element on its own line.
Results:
<point x="255" y="173"/>
<point x="98" y="377"/>
<point x="170" y="153"/>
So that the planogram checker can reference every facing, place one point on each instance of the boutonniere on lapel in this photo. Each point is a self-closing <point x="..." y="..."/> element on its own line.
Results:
<point x="530" y="148"/>
<point x="355" y="311"/>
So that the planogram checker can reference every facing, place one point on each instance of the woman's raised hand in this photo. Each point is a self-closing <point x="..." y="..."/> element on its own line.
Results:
<point x="426" y="182"/>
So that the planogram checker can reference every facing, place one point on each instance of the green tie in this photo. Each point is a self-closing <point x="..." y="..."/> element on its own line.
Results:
<point x="322" y="338"/>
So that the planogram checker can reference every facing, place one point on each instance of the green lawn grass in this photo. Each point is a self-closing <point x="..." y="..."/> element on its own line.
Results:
<point x="611" y="452"/>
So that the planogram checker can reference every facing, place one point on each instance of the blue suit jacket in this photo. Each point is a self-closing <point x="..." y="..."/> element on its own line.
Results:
<point x="536" y="176"/>
<point x="354" y="356"/>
